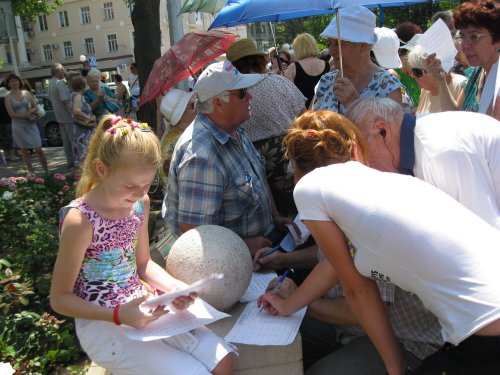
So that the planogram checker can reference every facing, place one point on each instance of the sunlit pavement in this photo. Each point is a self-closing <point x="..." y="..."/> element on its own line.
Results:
<point x="55" y="158"/>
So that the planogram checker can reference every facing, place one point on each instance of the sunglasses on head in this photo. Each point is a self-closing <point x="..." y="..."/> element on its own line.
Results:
<point x="242" y="93"/>
<point x="418" y="72"/>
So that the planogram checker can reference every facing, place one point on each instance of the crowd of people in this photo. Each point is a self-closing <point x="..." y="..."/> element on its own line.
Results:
<point x="390" y="162"/>
<point x="79" y="98"/>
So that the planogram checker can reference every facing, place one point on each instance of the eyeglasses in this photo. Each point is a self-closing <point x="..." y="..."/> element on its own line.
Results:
<point x="418" y="72"/>
<point x="284" y="61"/>
<point x="472" y="38"/>
<point x="241" y="94"/>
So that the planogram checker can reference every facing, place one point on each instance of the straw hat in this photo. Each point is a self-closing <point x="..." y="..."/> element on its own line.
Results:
<point x="242" y="48"/>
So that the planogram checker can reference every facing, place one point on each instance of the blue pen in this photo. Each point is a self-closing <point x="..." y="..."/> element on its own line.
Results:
<point x="277" y="286"/>
<point x="273" y="250"/>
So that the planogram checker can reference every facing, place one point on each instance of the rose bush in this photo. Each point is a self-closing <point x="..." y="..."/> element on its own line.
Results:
<point x="32" y="339"/>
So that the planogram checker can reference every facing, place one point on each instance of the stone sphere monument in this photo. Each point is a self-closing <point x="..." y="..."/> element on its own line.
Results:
<point x="209" y="249"/>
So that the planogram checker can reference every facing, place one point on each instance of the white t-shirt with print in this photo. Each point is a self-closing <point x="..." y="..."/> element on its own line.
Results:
<point x="414" y="235"/>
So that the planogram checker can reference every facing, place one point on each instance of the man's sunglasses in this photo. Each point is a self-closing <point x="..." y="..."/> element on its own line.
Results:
<point x="241" y="94"/>
<point x="418" y="72"/>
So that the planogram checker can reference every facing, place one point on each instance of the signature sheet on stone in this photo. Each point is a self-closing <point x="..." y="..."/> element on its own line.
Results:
<point x="256" y="327"/>
<point x="174" y="323"/>
<point x="257" y="286"/>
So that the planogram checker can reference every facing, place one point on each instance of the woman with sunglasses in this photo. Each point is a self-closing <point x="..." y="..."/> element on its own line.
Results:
<point x="308" y="69"/>
<point x="479" y="32"/>
<point x="284" y="60"/>
<point x="432" y="91"/>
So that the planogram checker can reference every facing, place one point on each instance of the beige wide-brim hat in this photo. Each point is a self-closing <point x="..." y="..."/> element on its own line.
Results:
<point x="242" y="48"/>
<point x="174" y="104"/>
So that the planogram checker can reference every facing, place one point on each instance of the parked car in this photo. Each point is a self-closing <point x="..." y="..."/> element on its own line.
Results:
<point x="49" y="122"/>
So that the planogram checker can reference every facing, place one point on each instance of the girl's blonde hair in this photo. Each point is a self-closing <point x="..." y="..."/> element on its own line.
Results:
<point x="321" y="138"/>
<point x="112" y="137"/>
<point x="304" y="45"/>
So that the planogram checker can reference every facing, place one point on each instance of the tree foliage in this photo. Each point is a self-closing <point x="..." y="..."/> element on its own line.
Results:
<point x="419" y="14"/>
<point x="30" y="9"/>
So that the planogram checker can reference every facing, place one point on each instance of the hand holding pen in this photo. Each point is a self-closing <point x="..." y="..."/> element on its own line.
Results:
<point x="261" y="301"/>
<point x="268" y="257"/>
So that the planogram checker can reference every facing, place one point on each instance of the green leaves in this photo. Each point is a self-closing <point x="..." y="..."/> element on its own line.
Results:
<point x="30" y="9"/>
<point x="31" y="339"/>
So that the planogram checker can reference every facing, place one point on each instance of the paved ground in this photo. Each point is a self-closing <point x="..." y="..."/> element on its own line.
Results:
<point x="55" y="158"/>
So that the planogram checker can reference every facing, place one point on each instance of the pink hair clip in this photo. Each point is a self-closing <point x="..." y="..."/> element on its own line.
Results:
<point x="115" y="120"/>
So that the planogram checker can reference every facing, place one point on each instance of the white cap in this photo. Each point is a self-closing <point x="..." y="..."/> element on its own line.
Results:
<point x="174" y="104"/>
<point x="357" y="24"/>
<point x="386" y="48"/>
<point x="3" y="92"/>
<point x="223" y="76"/>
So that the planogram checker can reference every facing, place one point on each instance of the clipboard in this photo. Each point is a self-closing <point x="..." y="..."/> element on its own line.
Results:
<point x="166" y="298"/>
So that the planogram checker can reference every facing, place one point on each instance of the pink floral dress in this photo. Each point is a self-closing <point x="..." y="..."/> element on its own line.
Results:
<point x="108" y="275"/>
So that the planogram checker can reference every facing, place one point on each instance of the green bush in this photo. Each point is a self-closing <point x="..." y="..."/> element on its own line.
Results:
<point x="32" y="338"/>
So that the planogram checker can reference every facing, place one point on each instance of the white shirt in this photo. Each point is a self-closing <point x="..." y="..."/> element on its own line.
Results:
<point x="134" y="81"/>
<point x="414" y="235"/>
<point x="459" y="152"/>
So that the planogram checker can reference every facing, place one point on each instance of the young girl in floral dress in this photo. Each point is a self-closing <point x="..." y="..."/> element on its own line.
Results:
<point x="104" y="259"/>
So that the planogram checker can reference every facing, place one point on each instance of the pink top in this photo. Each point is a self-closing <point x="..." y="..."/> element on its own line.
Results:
<point x="108" y="275"/>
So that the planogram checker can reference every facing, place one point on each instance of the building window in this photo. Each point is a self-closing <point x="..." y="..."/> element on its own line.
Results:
<point x="89" y="46"/>
<point x="9" y="58"/>
<point x="63" y="19"/>
<point x="47" y="52"/>
<point x="85" y="12"/>
<point x="108" y="12"/>
<point x="112" y="43"/>
<point x="68" y="49"/>
<point x="42" y="21"/>
<point x="130" y="9"/>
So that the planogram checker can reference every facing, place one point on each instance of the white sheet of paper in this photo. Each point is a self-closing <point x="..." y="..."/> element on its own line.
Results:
<point x="167" y="298"/>
<point x="289" y="243"/>
<point x="258" y="285"/>
<point x="174" y="323"/>
<point x="256" y="327"/>
<point x="490" y="89"/>
<point x="437" y="39"/>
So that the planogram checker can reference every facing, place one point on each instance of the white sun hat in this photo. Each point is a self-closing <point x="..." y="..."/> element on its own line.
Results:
<point x="386" y="48"/>
<point x="357" y="24"/>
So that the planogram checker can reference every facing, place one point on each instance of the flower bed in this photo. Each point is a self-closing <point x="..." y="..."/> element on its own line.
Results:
<point x="32" y="338"/>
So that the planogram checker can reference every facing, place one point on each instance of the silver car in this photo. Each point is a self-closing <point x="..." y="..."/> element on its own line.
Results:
<point x="49" y="122"/>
